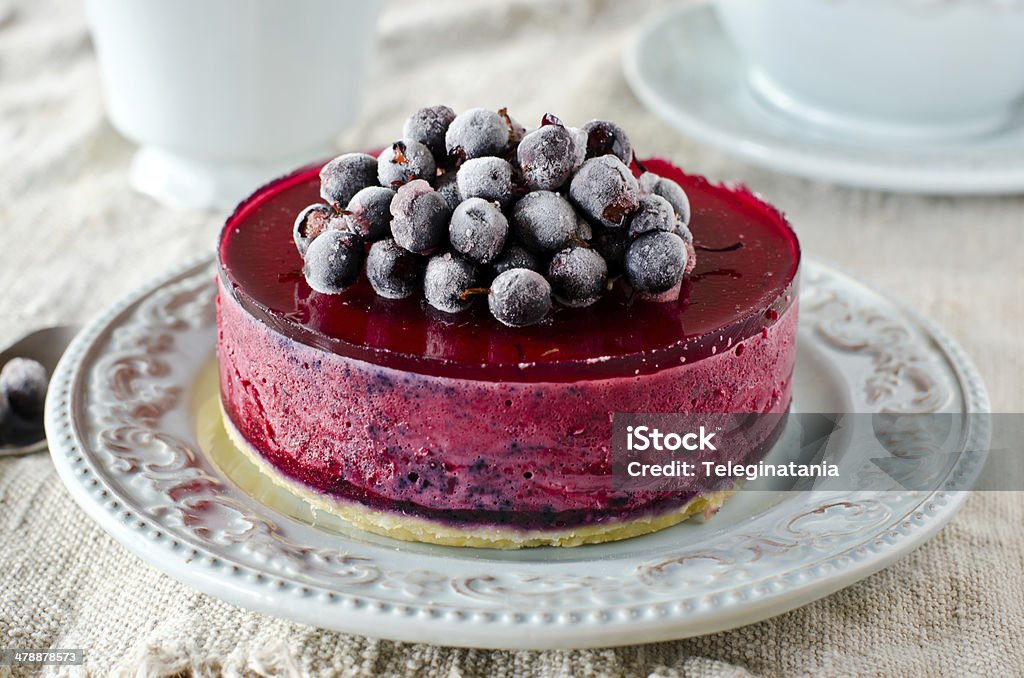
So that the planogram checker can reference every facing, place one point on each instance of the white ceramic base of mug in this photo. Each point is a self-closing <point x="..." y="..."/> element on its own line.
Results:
<point x="177" y="181"/>
<point x="774" y="95"/>
<point x="682" y="66"/>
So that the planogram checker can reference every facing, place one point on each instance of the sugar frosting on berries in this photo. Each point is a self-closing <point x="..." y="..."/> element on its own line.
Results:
<point x="478" y="230"/>
<point x="428" y="126"/>
<point x="420" y="217"/>
<point x="489" y="178"/>
<point x="404" y="161"/>
<point x="545" y="221"/>
<point x="346" y="175"/>
<point x="652" y="184"/>
<point x="446" y="281"/>
<point x="476" y="133"/>
<point x="547" y="157"/>
<point x="605" y="191"/>
<point x="369" y="212"/>
<point x="464" y="201"/>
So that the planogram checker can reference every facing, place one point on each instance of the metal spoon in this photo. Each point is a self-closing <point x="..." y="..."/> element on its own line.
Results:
<point x="45" y="346"/>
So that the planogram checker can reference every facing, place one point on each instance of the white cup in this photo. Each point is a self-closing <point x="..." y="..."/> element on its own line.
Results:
<point x="224" y="95"/>
<point x="915" y="69"/>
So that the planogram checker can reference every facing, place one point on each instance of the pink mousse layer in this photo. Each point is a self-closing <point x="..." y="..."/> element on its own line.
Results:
<point x="464" y="421"/>
<point x="529" y="454"/>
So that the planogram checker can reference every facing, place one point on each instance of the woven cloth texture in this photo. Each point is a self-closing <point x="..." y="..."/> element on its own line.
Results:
<point x="74" y="238"/>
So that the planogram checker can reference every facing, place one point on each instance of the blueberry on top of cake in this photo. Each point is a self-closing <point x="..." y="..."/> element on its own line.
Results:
<point x="547" y="193"/>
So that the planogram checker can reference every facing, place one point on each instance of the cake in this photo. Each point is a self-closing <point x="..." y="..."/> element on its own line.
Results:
<point x="468" y="421"/>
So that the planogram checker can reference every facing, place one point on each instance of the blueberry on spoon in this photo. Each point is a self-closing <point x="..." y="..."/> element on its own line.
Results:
<point x="23" y="385"/>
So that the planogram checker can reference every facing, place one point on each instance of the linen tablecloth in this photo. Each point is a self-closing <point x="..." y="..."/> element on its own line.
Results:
<point x="73" y="238"/>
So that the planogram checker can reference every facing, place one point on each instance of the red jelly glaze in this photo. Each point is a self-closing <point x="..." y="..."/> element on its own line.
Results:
<point x="725" y="300"/>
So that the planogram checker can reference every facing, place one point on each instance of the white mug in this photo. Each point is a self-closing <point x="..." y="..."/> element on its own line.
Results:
<point x="222" y="96"/>
<point x="894" y="68"/>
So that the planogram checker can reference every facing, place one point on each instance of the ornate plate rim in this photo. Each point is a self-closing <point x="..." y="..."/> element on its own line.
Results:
<point x="511" y="627"/>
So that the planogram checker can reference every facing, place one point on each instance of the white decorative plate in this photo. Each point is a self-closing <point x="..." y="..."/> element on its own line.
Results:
<point x="132" y="424"/>
<point x="682" y="67"/>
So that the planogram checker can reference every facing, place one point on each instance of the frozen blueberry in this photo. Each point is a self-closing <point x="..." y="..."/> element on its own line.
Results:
<point x="476" y="133"/>
<point x="23" y="385"/>
<point x="652" y="184"/>
<point x="604" y="137"/>
<point x="369" y="212"/>
<point x="578" y="276"/>
<point x="492" y="179"/>
<point x="404" y="161"/>
<point x="392" y="270"/>
<point x="478" y="230"/>
<point x="448" y="186"/>
<point x="516" y="256"/>
<point x="333" y="261"/>
<point x="310" y="223"/>
<point x="446" y="279"/>
<point x="428" y="126"/>
<point x="346" y="175"/>
<point x="611" y="244"/>
<point x="516" y="132"/>
<point x="584" y="231"/>
<point x="420" y="221"/>
<point x="605" y="191"/>
<point x="655" y="214"/>
<point x="544" y="221"/>
<point x="655" y="262"/>
<point x="519" y="297"/>
<point x="684" y="233"/>
<point x="548" y="156"/>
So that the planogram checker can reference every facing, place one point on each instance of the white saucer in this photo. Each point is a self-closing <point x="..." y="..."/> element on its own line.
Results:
<point x="133" y="424"/>
<point x="685" y="70"/>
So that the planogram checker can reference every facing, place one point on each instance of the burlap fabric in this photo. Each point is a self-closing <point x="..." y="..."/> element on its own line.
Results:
<point x="73" y="238"/>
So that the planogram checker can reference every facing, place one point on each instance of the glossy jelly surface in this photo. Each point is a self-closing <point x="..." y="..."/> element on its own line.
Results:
<point x="731" y="295"/>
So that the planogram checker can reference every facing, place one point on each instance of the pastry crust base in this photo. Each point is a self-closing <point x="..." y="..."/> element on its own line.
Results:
<point x="412" y="528"/>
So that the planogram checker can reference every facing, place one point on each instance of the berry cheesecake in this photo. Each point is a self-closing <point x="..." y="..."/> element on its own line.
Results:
<point x="432" y="342"/>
